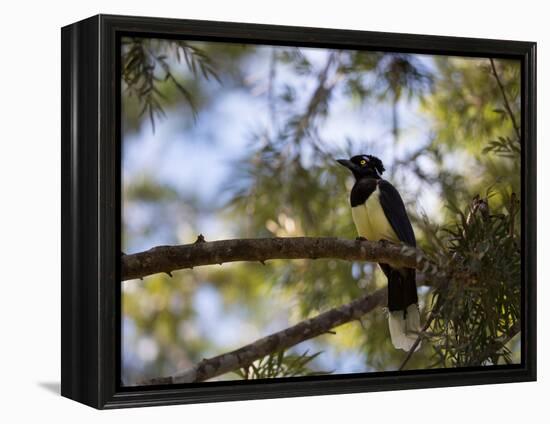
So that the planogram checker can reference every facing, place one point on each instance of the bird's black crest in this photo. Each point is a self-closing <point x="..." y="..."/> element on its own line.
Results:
<point x="376" y="163"/>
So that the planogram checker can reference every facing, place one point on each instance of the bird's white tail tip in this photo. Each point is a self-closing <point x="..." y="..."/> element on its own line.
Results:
<point x="404" y="331"/>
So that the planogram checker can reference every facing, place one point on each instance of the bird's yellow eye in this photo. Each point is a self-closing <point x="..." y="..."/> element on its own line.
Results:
<point x="363" y="162"/>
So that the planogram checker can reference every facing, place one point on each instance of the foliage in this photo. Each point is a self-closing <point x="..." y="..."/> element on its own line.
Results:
<point x="477" y="311"/>
<point x="146" y="65"/>
<point x="280" y="364"/>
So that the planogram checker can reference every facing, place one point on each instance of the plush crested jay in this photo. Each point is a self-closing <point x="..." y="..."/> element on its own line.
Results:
<point x="379" y="214"/>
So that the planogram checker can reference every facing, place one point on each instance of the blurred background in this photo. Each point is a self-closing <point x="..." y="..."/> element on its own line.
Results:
<point x="230" y="140"/>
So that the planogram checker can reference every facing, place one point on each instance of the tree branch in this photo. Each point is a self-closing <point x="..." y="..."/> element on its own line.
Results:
<point x="416" y="342"/>
<point x="281" y="340"/>
<point x="501" y="342"/>
<point x="319" y="97"/>
<point x="505" y="98"/>
<point x="170" y="258"/>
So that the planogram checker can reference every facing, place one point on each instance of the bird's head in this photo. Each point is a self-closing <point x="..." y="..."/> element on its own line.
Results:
<point x="364" y="166"/>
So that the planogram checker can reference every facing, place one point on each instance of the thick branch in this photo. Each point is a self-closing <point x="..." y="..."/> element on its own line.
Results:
<point x="169" y="258"/>
<point x="284" y="339"/>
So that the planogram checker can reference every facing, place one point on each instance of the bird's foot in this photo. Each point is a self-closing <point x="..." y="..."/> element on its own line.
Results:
<point x="360" y="238"/>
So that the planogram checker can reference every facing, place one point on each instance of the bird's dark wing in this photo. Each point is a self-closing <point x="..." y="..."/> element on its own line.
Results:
<point x="395" y="212"/>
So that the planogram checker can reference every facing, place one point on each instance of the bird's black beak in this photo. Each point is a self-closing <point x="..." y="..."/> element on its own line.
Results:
<point x="346" y="162"/>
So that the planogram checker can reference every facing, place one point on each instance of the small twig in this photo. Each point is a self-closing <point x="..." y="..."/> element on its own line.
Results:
<point x="509" y="335"/>
<point x="417" y="341"/>
<point x="320" y="95"/>
<point x="506" y="103"/>
<point x="512" y="213"/>
<point x="271" y="89"/>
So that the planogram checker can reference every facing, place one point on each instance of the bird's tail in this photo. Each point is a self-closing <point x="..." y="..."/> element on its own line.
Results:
<point x="404" y="328"/>
<point x="404" y="316"/>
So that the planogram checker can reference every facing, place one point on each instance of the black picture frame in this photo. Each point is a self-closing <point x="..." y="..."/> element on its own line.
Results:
<point x="91" y="224"/>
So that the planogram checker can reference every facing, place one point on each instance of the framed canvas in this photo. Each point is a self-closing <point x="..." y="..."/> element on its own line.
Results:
<point x="254" y="211"/>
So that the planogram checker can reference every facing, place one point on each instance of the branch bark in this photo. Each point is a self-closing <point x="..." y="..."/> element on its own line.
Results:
<point x="281" y="340"/>
<point x="170" y="258"/>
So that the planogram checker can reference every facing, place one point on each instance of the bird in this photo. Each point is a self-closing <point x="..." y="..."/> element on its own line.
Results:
<point x="379" y="214"/>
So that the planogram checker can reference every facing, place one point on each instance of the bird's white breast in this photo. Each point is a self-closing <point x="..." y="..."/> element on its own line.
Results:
<point x="370" y="220"/>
